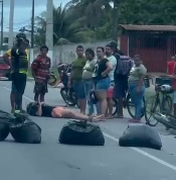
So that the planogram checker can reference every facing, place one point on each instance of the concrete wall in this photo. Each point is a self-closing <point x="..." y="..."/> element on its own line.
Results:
<point x="66" y="53"/>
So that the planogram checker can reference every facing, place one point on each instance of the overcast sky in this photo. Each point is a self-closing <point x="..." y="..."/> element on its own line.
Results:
<point x="23" y="11"/>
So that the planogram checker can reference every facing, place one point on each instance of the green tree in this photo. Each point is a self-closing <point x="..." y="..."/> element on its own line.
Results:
<point x="90" y="20"/>
<point x="67" y="27"/>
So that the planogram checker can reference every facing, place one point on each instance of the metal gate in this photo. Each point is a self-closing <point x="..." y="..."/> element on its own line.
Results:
<point x="172" y="46"/>
<point x="153" y="51"/>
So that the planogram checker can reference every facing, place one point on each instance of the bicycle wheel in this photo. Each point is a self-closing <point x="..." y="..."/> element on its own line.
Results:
<point x="152" y="107"/>
<point x="131" y="108"/>
<point x="115" y="106"/>
<point x="167" y="105"/>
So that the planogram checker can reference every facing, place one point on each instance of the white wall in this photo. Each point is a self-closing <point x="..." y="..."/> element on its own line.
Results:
<point x="66" y="53"/>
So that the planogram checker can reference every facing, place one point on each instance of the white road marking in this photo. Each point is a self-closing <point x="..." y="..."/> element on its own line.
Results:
<point x="160" y="161"/>
<point x="29" y="99"/>
<point x="164" y="163"/>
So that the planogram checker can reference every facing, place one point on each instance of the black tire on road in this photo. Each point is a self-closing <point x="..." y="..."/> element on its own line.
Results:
<point x="28" y="132"/>
<point x="66" y="96"/>
<point x="81" y="133"/>
<point x="4" y="130"/>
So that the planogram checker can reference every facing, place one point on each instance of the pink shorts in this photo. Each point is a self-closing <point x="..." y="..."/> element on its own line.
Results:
<point x="110" y="92"/>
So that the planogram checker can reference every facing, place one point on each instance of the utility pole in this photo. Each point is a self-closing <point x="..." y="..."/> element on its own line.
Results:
<point x="49" y="29"/>
<point x="11" y="18"/>
<point x="32" y="32"/>
<point x="115" y="19"/>
<point x="2" y="23"/>
<point x="32" y="24"/>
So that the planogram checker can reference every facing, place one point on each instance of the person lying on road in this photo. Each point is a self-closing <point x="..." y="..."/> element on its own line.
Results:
<point x="42" y="109"/>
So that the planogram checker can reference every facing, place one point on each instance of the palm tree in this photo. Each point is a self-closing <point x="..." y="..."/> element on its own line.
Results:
<point x="100" y="15"/>
<point x="67" y="26"/>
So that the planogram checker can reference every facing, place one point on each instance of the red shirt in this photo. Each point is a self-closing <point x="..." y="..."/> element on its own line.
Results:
<point x="170" y="67"/>
<point x="41" y="66"/>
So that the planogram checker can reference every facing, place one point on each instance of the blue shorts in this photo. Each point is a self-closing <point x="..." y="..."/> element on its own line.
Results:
<point x="102" y="84"/>
<point x="78" y="87"/>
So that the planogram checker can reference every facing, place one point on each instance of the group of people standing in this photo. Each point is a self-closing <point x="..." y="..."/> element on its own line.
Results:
<point x="109" y="74"/>
<point x="18" y="59"/>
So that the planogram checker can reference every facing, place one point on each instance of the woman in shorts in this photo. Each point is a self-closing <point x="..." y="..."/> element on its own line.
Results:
<point x="101" y="79"/>
<point x="44" y="110"/>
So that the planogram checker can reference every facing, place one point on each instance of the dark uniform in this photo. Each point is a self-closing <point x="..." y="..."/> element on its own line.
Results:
<point x="19" y="62"/>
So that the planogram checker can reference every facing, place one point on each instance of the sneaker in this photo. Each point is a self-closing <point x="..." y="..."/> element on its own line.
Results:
<point x="16" y="111"/>
<point x="22" y="111"/>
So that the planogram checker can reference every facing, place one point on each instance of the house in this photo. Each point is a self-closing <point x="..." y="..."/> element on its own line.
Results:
<point x="156" y="44"/>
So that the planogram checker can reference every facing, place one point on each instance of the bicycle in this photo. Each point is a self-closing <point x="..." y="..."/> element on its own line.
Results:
<point x="129" y="104"/>
<point x="161" y="102"/>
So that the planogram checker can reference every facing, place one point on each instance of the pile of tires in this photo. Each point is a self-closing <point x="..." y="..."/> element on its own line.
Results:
<point x="21" y="127"/>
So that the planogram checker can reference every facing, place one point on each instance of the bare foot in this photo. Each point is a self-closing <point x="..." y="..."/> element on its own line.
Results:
<point x="98" y="118"/>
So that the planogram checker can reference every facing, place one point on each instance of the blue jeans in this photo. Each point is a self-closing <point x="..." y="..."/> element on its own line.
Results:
<point x="137" y="99"/>
<point x="88" y="86"/>
<point x="78" y="87"/>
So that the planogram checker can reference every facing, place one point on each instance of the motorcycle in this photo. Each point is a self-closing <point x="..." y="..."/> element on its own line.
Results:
<point x="67" y="93"/>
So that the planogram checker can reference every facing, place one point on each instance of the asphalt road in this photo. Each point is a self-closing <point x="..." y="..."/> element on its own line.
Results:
<point x="52" y="161"/>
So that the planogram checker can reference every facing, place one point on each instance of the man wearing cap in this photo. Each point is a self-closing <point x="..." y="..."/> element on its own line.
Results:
<point x="19" y="69"/>
<point x="120" y="78"/>
<point x="7" y="57"/>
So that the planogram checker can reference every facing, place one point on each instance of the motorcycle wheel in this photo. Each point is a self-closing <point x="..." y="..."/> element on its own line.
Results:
<point x="66" y="97"/>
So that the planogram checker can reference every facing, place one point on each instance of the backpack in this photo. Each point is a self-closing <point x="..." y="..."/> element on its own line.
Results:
<point x="124" y="65"/>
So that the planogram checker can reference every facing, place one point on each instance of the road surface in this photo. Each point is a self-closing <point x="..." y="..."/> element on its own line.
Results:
<point x="52" y="161"/>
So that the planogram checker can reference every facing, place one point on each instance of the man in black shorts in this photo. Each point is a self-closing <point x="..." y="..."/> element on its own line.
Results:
<point x="19" y="65"/>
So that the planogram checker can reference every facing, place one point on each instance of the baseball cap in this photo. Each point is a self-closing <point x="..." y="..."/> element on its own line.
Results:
<point x="20" y="36"/>
<point x="113" y="44"/>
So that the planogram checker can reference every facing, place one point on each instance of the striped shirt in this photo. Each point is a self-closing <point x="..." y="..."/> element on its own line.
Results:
<point x="41" y="66"/>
